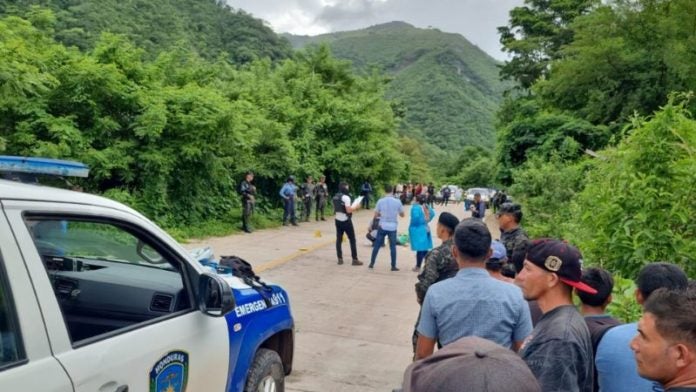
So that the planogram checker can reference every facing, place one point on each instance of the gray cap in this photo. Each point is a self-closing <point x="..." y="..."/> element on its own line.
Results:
<point x="470" y="364"/>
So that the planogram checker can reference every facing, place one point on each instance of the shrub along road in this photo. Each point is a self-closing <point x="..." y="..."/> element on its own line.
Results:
<point x="353" y="325"/>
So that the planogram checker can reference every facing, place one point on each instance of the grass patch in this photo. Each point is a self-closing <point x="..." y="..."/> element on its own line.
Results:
<point x="231" y="224"/>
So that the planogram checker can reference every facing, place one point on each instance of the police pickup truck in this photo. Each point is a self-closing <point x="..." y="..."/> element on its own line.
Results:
<point x="95" y="297"/>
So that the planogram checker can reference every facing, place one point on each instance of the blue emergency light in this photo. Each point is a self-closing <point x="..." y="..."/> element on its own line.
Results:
<point x="49" y="166"/>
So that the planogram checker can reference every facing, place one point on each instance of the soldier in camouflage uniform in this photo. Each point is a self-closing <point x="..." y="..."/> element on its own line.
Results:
<point x="307" y="194"/>
<point x="440" y="263"/>
<point x="513" y="236"/>
<point x="247" y="191"/>
<point x="321" y="192"/>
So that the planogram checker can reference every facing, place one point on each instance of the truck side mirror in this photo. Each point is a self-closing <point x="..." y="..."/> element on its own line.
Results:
<point x="215" y="295"/>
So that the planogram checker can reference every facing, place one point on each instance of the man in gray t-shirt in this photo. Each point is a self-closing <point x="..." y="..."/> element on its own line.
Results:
<point x="559" y="350"/>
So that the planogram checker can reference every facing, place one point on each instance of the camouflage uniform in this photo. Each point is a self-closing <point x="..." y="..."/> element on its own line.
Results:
<point x="307" y="194"/>
<point x="439" y="265"/>
<point x="247" y="191"/>
<point x="516" y="242"/>
<point x="321" y="192"/>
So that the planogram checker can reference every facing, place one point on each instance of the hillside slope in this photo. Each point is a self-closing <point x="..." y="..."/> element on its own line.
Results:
<point x="207" y="26"/>
<point x="449" y="88"/>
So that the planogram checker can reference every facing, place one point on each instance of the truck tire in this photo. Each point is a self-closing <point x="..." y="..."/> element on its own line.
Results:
<point x="266" y="373"/>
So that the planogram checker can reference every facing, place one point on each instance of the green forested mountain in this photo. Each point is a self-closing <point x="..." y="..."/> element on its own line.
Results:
<point x="209" y="27"/>
<point x="171" y="132"/>
<point x="446" y="88"/>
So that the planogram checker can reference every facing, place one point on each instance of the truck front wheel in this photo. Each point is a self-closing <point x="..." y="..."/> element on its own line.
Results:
<point x="266" y="373"/>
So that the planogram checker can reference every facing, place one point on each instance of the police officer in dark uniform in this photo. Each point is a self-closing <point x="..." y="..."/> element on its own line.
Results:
<point x="431" y="194"/>
<point x="247" y="190"/>
<point x="513" y="236"/>
<point x="288" y="193"/>
<point x="365" y="192"/>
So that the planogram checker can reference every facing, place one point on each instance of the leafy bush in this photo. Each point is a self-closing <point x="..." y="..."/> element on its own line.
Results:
<point x="623" y="305"/>
<point x="527" y="131"/>
<point x="474" y="167"/>
<point x="173" y="136"/>
<point x="638" y="203"/>
<point x="545" y="190"/>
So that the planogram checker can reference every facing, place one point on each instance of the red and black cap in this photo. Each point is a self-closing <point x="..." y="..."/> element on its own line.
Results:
<point x="560" y="258"/>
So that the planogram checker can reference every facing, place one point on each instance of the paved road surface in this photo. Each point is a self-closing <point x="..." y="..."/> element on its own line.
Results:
<point x="353" y="325"/>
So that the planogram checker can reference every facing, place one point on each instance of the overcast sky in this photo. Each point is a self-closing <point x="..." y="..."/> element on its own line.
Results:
<point x="477" y="20"/>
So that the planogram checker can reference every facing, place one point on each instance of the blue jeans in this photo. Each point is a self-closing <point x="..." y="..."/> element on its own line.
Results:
<point x="379" y="241"/>
<point x="289" y="211"/>
<point x="420" y="255"/>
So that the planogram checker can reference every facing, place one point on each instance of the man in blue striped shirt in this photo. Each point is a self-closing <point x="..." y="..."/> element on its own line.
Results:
<point x="388" y="210"/>
<point x="472" y="303"/>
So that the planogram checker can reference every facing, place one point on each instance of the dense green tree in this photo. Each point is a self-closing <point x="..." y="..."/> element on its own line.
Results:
<point x="529" y="130"/>
<point x="626" y="58"/>
<point x="473" y="167"/>
<point x="545" y="186"/>
<point x="535" y="35"/>
<point x="416" y="168"/>
<point x="209" y="27"/>
<point x="638" y="205"/>
<point x="173" y="135"/>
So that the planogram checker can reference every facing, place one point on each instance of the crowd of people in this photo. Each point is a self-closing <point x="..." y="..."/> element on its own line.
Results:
<point x="501" y="312"/>
<point x="484" y="300"/>
<point x="308" y="196"/>
<point x="512" y="300"/>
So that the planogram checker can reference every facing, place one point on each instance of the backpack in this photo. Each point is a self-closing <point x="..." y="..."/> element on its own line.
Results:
<point x="243" y="270"/>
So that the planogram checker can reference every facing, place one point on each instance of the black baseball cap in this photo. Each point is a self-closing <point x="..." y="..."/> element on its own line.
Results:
<point x="560" y="258"/>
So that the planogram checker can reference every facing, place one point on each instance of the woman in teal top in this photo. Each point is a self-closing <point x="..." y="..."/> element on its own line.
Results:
<point x="418" y="230"/>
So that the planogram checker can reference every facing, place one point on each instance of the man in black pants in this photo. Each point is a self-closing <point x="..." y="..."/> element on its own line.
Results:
<point x="365" y="192"/>
<point x="344" y="224"/>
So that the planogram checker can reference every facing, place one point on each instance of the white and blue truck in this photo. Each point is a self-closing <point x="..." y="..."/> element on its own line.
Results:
<point x="96" y="297"/>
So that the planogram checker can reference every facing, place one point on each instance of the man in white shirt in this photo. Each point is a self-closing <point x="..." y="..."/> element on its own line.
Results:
<point x="344" y="224"/>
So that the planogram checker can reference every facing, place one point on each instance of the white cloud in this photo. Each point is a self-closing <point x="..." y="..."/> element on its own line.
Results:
<point x="477" y="20"/>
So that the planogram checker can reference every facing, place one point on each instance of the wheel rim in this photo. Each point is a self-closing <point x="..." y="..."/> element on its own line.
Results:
<point x="268" y="384"/>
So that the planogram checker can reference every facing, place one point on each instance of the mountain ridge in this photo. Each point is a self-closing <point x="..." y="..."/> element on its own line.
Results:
<point x="209" y="27"/>
<point x="449" y="88"/>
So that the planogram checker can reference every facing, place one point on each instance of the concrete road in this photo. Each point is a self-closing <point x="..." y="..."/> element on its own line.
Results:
<point x="353" y="324"/>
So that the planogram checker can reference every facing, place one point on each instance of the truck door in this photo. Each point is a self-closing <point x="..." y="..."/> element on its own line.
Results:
<point x="118" y="299"/>
<point x="26" y="362"/>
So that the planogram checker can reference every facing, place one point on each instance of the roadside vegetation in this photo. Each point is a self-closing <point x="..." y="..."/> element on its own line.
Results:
<point x="598" y="140"/>
<point x="172" y="135"/>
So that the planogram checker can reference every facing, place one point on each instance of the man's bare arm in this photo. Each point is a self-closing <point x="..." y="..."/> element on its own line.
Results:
<point x="425" y="347"/>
